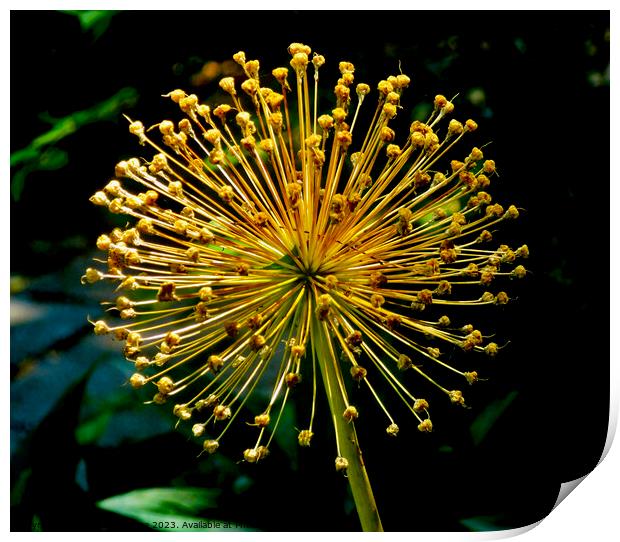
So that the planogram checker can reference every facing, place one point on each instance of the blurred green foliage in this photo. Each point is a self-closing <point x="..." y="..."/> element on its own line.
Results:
<point x="95" y="21"/>
<point x="169" y="508"/>
<point x="42" y="154"/>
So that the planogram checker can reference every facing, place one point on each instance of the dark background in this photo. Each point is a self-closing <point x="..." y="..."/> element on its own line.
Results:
<point x="538" y="84"/>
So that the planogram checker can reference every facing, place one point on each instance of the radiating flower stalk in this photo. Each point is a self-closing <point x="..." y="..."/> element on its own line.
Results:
<point x="271" y="243"/>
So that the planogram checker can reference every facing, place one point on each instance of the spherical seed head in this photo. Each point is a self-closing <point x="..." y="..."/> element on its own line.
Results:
<point x="318" y="60"/>
<point x="250" y="455"/>
<point x="393" y="151"/>
<point x="165" y="385"/>
<point x="512" y="212"/>
<point x="345" y="138"/>
<point x="182" y="412"/>
<point x="313" y="140"/>
<point x="161" y="359"/>
<point x="215" y="363"/>
<point x="362" y="90"/>
<point x="502" y="298"/>
<point x="133" y="338"/>
<point x="257" y="342"/>
<point x="239" y="58"/>
<point x="141" y="363"/>
<point x="402" y="80"/>
<point x="393" y="98"/>
<point x="354" y="338"/>
<point x="137" y="380"/>
<point x="393" y="321"/>
<point x="404" y="362"/>
<point x="232" y="329"/>
<point x="456" y="396"/>
<point x="298" y="350"/>
<point x="281" y="74"/>
<point x="392" y="430"/>
<point x="227" y="84"/>
<point x="471" y="377"/>
<point x="471" y="125"/>
<point x="426" y="426"/>
<point x="262" y="452"/>
<point x="378" y="279"/>
<point x="425" y="296"/>
<point x="476" y="337"/>
<point x="522" y="252"/>
<point x="443" y="288"/>
<point x="358" y="372"/>
<point x="189" y="103"/>
<point x="123" y="302"/>
<point x="350" y="413"/>
<point x="92" y="276"/>
<point x="326" y="122"/>
<point x="418" y="140"/>
<point x="385" y="87"/>
<point x="255" y="321"/>
<point x="121" y="334"/>
<point x="295" y="48"/>
<point x="275" y="253"/>
<point x="211" y="446"/>
<point x="299" y="62"/>
<point x="342" y="463"/>
<point x="100" y="198"/>
<point x="323" y="306"/>
<point x="166" y="291"/>
<point x="389" y="110"/>
<point x="221" y="412"/>
<point x="304" y="437"/>
<point x="205" y="293"/>
<point x="292" y="379"/>
<point x="476" y="154"/>
<point x="434" y="352"/>
<point x="377" y="300"/>
<point x="101" y="328"/>
<point x="172" y="338"/>
<point x="440" y="101"/>
<point x="262" y="420"/>
<point x="342" y="92"/>
<point x="103" y="242"/>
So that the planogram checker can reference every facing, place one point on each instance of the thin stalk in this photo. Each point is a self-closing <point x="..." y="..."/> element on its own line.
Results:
<point x="348" y="446"/>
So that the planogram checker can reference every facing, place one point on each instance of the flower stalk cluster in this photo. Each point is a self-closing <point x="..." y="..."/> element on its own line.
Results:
<point x="273" y="245"/>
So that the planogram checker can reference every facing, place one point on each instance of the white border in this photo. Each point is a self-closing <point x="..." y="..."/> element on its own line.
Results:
<point x="591" y="512"/>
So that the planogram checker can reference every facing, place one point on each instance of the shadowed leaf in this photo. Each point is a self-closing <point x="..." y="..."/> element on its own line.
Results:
<point x="483" y="523"/>
<point x="170" y="509"/>
<point x="485" y="421"/>
<point x="40" y="154"/>
<point x="94" y="20"/>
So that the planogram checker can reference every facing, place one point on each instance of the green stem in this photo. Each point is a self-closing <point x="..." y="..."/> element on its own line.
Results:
<point x="346" y="435"/>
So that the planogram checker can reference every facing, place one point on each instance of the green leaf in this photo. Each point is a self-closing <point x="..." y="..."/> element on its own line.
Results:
<point x="487" y="418"/>
<point x="483" y="523"/>
<point x="95" y="20"/>
<point x="90" y="431"/>
<point x="285" y="437"/>
<point x="170" y="509"/>
<point x="40" y="153"/>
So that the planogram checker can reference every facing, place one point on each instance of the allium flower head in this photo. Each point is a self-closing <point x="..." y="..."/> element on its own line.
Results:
<point x="276" y="244"/>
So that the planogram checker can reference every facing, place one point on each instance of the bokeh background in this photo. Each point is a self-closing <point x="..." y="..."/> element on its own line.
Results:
<point x="87" y="456"/>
